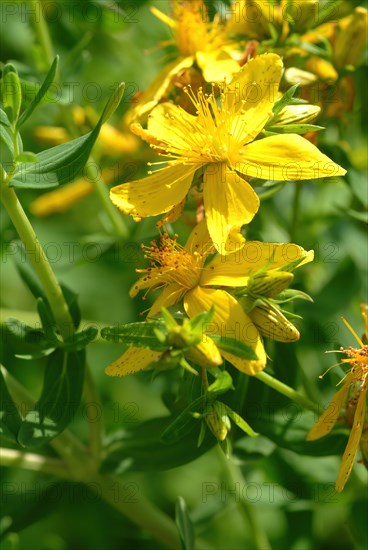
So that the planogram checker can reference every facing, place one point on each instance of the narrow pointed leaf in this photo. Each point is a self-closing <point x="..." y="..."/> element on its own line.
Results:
<point x="137" y="334"/>
<point x="40" y="94"/>
<point x="234" y="346"/>
<point x="184" y="524"/>
<point x="64" y="162"/>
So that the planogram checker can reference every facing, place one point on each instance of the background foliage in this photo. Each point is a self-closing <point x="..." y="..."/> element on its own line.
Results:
<point x="290" y="483"/>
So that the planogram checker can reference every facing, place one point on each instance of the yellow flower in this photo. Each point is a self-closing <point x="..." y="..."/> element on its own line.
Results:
<point x="352" y="396"/>
<point x="188" y="274"/>
<point x="199" y="41"/>
<point x="221" y="140"/>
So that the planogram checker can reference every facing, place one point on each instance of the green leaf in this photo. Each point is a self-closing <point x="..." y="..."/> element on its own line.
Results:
<point x="47" y="321"/>
<point x="234" y="346"/>
<point x="4" y="118"/>
<point x="202" y="318"/>
<point x="59" y="401"/>
<point x="222" y="384"/>
<point x="10" y="419"/>
<point x="26" y="156"/>
<point x="30" y="279"/>
<point x="184" y="524"/>
<point x="139" y="447"/>
<point x="136" y="334"/>
<point x="40" y="94"/>
<point x="239" y="421"/>
<point x="62" y="163"/>
<point x="6" y="139"/>
<point x="71" y="299"/>
<point x="80" y="340"/>
<point x="284" y="100"/>
<point x="184" y="422"/>
<point x="294" y="128"/>
<point x="25" y="333"/>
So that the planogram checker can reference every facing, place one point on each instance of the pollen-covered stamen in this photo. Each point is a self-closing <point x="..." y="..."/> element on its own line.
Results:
<point x="358" y="359"/>
<point x="216" y="134"/>
<point x="169" y="263"/>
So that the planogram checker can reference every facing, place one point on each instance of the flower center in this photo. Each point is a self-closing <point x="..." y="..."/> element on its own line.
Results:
<point x="170" y="263"/>
<point x="216" y="134"/>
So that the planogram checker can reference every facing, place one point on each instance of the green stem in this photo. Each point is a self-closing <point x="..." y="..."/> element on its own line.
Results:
<point x="95" y="424"/>
<point x="296" y="210"/>
<point x="125" y="497"/>
<point x="31" y="461"/>
<point x="287" y="391"/>
<point x="234" y="478"/>
<point x="128" y="500"/>
<point x="102" y="192"/>
<point x="271" y="192"/>
<point x="42" y="31"/>
<point x="38" y="258"/>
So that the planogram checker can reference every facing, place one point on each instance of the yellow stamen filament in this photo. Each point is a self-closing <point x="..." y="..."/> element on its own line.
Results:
<point x="169" y="263"/>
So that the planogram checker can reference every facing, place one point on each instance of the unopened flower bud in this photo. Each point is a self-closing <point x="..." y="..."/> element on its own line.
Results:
<point x="11" y="92"/>
<point x="271" y="323"/>
<point x="205" y="354"/>
<point x="217" y="420"/>
<point x="270" y="284"/>
<point x="296" y="114"/>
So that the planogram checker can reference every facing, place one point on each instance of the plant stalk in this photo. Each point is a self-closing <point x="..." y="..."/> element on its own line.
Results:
<point x="287" y="391"/>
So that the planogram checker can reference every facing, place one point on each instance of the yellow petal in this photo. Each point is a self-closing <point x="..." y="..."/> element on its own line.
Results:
<point x="199" y="241"/>
<point x="172" y="294"/>
<point x="284" y="158"/>
<point x="216" y="66"/>
<point x="254" y="89"/>
<point x="229" y="203"/>
<point x="229" y="320"/>
<point x="326" y="422"/>
<point x="157" y="89"/>
<point x="349" y="455"/>
<point x="133" y="360"/>
<point x="154" y="194"/>
<point x="235" y="269"/>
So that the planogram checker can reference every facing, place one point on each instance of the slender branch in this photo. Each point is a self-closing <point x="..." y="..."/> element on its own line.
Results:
<point x="95" y="425"/>
<point x="128" y="500"/>
<point x="38" y="258"/>
<point x="102" y="192"/>
<point x="235" y="478"/>
<point x="287" y="391"/>
<point x="30" y="461"/>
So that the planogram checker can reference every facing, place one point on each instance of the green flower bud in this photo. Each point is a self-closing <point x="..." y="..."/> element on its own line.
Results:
<point x="11" y="93"/>
<point x="269" y="284"/>
<point x="217" y="420"/>
<point x="273" y="324"/>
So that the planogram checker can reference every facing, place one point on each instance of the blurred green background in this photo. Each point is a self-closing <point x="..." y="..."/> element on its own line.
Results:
<point x="291" y="493"/>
